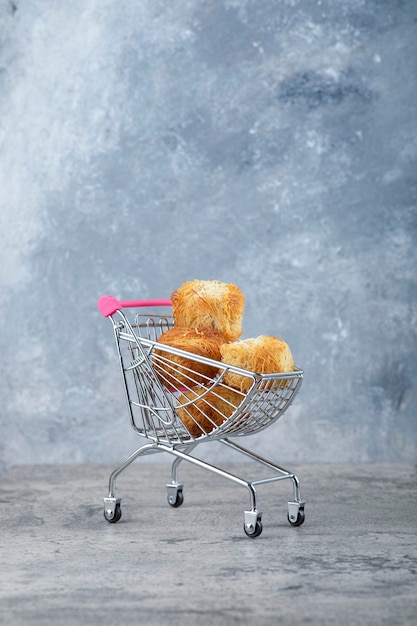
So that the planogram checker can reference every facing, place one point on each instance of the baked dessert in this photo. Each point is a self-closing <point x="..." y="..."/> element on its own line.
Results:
<point x="178" y="371"/>
<point x="209" y="304"/>
<point x="262" y="355"/>
<point x="201" y="410"/>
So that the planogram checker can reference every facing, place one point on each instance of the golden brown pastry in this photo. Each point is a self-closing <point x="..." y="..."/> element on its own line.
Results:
<point x="209" y="304"/>
<point x="205" y="413"/>
<point x="262" y="355"/>
<point x="178" y="371"/>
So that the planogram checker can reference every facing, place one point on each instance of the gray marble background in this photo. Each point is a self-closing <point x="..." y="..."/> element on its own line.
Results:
<point x="269" y="143"/>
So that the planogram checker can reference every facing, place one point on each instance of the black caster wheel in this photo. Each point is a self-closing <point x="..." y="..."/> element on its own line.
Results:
<point x="254" y="531"/>
<point x="300" y="518"/>
<point x="179" y="499"/>
<point x="117" y="515"/>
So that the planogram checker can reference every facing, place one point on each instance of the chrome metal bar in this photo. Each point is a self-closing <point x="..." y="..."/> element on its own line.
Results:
<point x="149" y="447"/>
<point x="215" y="470"/>
<point x="177" y="461"/>
<point x="285" y="473"/>
<point x="272" y="479"/>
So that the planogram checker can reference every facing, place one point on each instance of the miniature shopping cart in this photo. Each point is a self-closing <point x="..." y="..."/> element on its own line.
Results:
<point x="159" y="389"/>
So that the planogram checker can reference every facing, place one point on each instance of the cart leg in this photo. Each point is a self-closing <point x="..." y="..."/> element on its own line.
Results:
<point x="252" y="523"/>
<point x="253" y="518"/>
<point x="296" y="506"/>
<point x="112" y="505"/>
<point x="177" y="461"/>
<point x="174" y="488"/>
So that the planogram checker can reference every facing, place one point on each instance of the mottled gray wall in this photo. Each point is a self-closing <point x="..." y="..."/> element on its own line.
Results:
<point x="268" y="143"/>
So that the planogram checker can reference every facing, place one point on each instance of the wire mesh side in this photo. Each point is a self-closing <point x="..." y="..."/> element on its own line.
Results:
<point x="266" y="402"/>
<point x="176" y="397"/>
<point x="152" y="413"/>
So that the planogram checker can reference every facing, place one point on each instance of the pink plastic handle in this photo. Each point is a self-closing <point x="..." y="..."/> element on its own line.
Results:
<point x="108" y="305"/>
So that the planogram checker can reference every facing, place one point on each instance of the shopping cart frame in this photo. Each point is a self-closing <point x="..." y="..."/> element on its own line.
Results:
<point x="153" y="415"/>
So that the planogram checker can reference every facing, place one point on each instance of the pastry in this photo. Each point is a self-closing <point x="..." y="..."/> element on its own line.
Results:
<point x="262" y="355"/>
<point x="178" y="371"/>
<point x="209" y="304"/>
<point x="201" y="410"/>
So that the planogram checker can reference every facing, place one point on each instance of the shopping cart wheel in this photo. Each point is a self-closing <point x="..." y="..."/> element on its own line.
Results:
<point x="112" y="511"/>
<point x="175" y="495"/>
<point x="255" y="531"/>
<point x="253" y="523"/>
<point x="296" y="514"/>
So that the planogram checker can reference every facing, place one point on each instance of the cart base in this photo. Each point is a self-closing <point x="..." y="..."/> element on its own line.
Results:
<point x="252" y="517"/>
